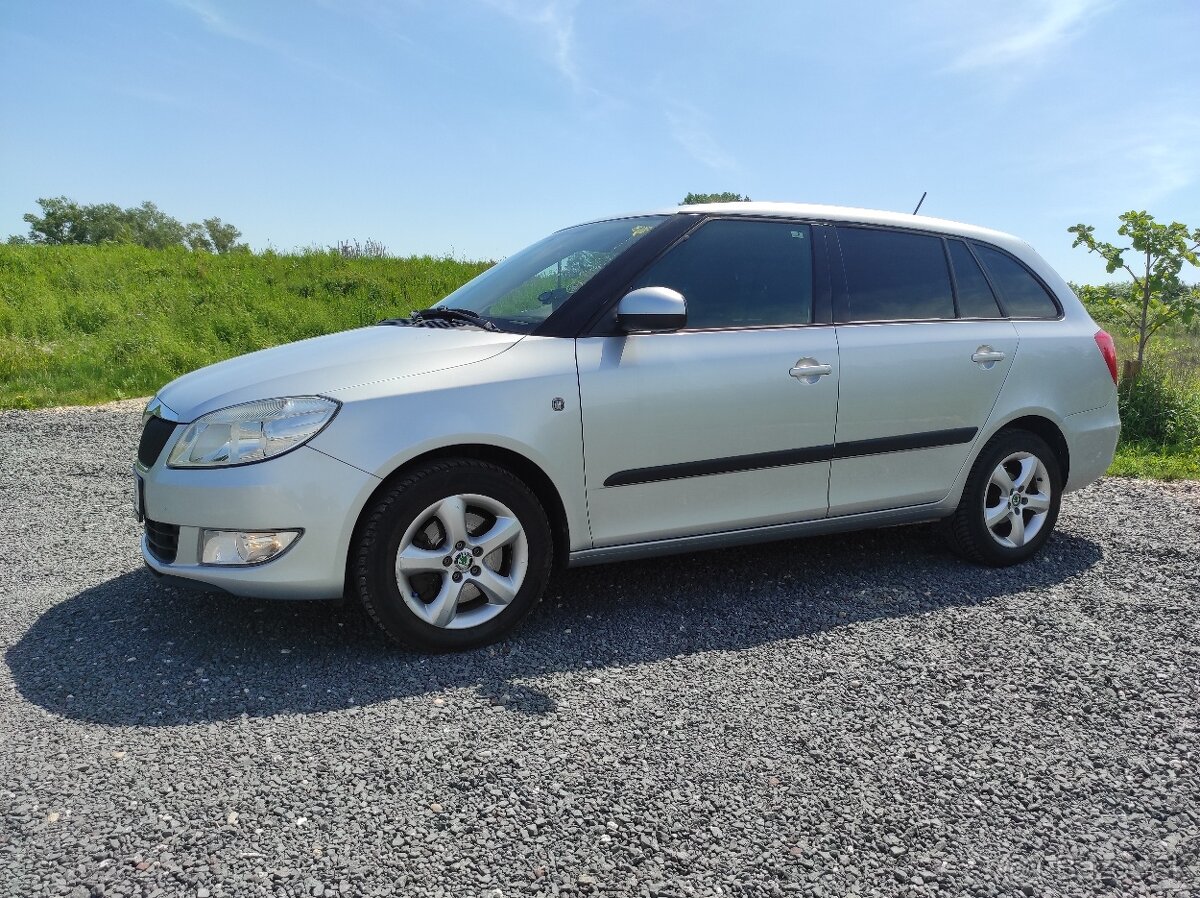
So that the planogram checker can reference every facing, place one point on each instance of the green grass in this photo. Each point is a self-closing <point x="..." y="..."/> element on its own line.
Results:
<point x="84" y="324"/>
<point x="1155" y="463"/>
<point x="1160" y="418"/>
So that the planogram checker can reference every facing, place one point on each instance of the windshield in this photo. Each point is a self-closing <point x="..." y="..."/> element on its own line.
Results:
<point x="519" y="293"/>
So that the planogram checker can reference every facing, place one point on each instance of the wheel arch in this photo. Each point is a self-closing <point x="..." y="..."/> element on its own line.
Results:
<point x="1050" y="432"/>
<point x="528" y="471"/>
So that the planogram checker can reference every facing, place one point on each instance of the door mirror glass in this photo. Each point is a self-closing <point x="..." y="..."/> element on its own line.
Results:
<point x="652" y="310"/>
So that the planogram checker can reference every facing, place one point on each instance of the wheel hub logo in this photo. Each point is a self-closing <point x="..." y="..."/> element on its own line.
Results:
<point x="462" y="560"/>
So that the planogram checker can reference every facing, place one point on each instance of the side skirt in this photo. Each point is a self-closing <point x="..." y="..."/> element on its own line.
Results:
<point x="893" y="517"/>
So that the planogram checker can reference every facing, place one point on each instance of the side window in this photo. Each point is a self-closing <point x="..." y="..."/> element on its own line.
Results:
<point x="892" y="276"/>
<point x="1023" y="296"/>
<point x="975" y="297"/>
<point x="741" y="274"/>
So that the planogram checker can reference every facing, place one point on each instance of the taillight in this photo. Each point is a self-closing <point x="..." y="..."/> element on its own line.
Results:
<point x="1108" y="349"/>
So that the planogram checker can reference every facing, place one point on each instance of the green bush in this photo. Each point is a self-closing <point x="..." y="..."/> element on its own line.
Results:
<point x="1161" y="409"/>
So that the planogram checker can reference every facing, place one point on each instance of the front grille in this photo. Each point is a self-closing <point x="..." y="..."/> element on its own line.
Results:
<point x="154" y="436"/>
<point x="163" y="540"/>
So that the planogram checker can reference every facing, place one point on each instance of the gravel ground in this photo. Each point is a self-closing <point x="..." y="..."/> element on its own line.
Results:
<point x="843" y="715"/>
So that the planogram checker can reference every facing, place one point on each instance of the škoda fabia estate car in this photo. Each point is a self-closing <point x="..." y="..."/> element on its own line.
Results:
<point x="705" y="376"/>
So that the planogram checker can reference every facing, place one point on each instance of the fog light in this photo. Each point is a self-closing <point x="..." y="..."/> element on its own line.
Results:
<point x="241" y="547"/>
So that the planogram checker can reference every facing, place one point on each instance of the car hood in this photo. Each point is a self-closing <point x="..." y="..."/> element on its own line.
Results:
<point x="324" y="365"/>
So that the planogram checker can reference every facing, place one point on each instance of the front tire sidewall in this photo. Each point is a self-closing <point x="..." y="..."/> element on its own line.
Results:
<point x="395" y="512"/>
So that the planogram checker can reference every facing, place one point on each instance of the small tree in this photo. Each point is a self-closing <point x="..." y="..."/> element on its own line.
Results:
<point x="196" y="238"/>
<point x="149" y="226"/>
<point x="1157" y="296"/>
<point x="64" y="221"/>
<point x="222" y="236"/>
<point x="694" y="199"/>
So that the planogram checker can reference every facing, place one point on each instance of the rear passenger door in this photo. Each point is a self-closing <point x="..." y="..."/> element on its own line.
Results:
<point x="924" y="351"/>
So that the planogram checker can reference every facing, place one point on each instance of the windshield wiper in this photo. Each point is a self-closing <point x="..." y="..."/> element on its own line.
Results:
<point x="464" y="315"/>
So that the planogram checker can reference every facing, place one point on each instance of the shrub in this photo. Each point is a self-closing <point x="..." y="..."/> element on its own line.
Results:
<point x="1162" y="409"/>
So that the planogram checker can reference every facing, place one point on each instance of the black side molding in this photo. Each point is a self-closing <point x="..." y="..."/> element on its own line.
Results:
<point x="808" y="455"/>
<point x="928" y="440"/>
<point x="729" y="465"/>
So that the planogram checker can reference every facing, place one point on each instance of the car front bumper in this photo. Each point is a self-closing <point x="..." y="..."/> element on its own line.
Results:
<point x="302" y="490"/>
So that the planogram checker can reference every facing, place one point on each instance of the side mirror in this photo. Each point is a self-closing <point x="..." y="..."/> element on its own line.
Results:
<point x="653" y="310"/>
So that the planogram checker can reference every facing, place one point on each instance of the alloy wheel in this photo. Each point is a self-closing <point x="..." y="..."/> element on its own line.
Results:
<point x="462" y="561"/>
<point x="1017" y="500"/>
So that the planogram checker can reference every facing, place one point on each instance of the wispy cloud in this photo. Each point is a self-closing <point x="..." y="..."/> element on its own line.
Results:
<point x="1152" y="164"/>
<point x="216" y="22"/>
<point x="690" y="129"/>
<point x="1140" y="159"/>
<point x="382" y="15"/>
<point x="554" y="21"/>
<point x="1024" y="33"/>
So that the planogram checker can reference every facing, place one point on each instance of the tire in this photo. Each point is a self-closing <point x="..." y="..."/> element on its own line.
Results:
<point x="992" y="527"/>
<point x="437" y="595"/>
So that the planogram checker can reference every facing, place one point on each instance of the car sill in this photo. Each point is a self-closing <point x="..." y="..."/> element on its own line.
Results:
<point x="892" y="517"/>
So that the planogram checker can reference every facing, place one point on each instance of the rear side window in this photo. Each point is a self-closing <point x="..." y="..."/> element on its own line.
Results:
<point x="741" y="274"/>
<point x="893" y="276"/>
<point x="1022" y="295"/>
<point x="975" y="297"/>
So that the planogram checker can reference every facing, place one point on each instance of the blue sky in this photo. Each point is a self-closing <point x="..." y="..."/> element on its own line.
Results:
<point x="473" y="127"/>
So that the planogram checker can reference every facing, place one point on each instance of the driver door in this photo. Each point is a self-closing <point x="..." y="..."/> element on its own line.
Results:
<point x="708" y="429"/>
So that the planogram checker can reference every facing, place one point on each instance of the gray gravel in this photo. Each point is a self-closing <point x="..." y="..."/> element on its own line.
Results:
<point x="846" y="715"/>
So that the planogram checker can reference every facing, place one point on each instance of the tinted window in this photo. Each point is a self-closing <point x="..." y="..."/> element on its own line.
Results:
<point x="975" y="297"/>
<point x="892" y="276"/>
<point x="1022" y="295"/>
<point x="740" y="274"/>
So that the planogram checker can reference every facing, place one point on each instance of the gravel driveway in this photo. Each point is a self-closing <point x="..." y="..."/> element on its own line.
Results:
<point x="845" y="715"/>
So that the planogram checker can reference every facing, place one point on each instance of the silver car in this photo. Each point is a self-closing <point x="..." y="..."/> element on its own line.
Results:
<point x="705" y="376"/>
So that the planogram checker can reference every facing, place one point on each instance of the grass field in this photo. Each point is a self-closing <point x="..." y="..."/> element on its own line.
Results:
<point x="1160" y="436"/>
<point x="83" y="324"/>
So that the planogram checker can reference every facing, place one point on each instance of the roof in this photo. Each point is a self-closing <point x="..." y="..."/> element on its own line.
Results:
<point x="849" y="214"/>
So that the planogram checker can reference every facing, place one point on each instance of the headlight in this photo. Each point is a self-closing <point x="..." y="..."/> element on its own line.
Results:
<point x="251" y="432"/>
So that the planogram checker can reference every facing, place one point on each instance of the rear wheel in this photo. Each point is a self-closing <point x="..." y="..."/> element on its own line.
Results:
<point x="453" y="555"/>
<point x="1010" y="503"/>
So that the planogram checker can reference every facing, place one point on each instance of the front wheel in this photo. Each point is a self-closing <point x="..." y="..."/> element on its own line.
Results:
<point x="1010" y="502"/>
<point x="452" y="555"/>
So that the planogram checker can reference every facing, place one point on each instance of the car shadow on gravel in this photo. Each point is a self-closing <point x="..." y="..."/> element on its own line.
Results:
<point x="131" y="652"/>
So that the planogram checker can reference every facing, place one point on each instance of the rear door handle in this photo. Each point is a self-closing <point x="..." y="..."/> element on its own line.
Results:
<point x="985" y="355"/>
<point x="809" y="371"/>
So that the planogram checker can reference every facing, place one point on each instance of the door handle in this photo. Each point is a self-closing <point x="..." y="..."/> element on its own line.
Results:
<point x="985" y="355"/>
<point x="809" y="371"/>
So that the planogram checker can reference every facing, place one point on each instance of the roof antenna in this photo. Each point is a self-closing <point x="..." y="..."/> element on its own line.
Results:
<point x="923" y="195"/>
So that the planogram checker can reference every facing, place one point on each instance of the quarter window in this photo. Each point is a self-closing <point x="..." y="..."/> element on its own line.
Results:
<point x="895" y="276"/>
<point x="741" y="274"/>
<point x="1023" y="296"/>
<point x="975" y="297"/>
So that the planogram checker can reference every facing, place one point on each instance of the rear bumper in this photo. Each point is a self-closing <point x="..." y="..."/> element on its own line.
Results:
<point x="1092" y="440"/>
<point x="302" y="490"/>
